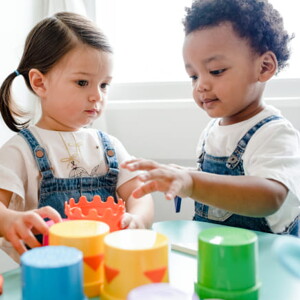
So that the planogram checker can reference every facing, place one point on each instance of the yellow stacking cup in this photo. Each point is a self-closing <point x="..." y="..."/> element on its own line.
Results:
<point x="88" y="237"/>
<point x="133" y="257"/>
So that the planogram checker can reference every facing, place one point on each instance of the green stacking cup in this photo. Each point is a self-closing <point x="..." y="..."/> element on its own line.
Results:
<point x="227" y="264"/>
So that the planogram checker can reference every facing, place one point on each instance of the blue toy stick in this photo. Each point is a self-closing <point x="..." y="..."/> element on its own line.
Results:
<point x="177" y="202"/>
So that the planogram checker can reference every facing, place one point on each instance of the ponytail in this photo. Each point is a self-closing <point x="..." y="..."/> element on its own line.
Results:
<point x="10" y="111"/>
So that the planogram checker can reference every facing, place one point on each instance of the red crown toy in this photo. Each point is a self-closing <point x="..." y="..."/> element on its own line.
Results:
<point x="108" y="212"/>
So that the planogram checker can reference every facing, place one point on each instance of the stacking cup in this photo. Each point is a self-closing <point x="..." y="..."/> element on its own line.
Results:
<point x="159" y="291"/>
<point x="52" y="272"/>
<point x="133" y="257"/>
<point x="86" y="236"/>
<point x="227" y="264"/>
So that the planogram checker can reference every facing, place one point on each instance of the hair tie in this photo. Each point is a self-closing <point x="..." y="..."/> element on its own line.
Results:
<point x="17" y="73"/>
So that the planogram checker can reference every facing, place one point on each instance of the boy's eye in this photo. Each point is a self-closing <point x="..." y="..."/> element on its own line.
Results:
<point x="194" y="78"/>
<point x="82" y="82"/>
<point x="217" y="72"/>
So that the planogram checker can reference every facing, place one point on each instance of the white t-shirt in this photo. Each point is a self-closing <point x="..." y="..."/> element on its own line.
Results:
<point x="273" y="152"/>
<point x="19" y="172"/>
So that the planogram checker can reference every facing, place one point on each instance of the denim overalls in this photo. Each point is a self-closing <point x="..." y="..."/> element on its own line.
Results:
<point x="55" y="191"/>
<point x="233" y="165"/>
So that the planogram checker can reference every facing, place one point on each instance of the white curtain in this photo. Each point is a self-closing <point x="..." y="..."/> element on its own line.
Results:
<point x="53" y="6"/>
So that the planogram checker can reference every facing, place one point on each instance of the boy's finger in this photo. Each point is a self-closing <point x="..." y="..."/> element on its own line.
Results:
<point x="145" y="165"/>
<point x="145" y="189"/>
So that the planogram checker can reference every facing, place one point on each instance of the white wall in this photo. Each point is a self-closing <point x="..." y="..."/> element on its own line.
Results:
<point x="168" y="130"/>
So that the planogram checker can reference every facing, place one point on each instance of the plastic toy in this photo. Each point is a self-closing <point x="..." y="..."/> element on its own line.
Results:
<point x="52" y="272"/>
<point x="133" y="257"/>
<point x="87" y="236"/>
<point x="108" y="212"/>
<point x="1" y="284"/>
<point x="227" y="264"/>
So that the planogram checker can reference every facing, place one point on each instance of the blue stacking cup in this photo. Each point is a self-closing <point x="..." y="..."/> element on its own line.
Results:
<point x="52" y="272"/>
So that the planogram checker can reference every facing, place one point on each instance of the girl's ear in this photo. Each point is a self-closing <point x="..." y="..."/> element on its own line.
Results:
<point x="37" y="82"/>
<point x="268" y="66"/>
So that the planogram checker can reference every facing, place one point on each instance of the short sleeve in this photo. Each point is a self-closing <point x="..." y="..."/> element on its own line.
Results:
<point x="122" y="156"/>
<point x="274" y="153"/>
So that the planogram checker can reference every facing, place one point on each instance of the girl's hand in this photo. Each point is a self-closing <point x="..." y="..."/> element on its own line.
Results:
<point x="170" y="179"/>
<point x="20" y="227"/>
<point x="130" y="221"/>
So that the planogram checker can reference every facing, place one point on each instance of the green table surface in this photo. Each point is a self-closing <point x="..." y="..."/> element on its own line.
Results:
<point x="277" y="282"/>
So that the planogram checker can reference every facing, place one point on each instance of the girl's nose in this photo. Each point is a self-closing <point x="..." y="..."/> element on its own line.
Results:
<point x="96" y="95"/>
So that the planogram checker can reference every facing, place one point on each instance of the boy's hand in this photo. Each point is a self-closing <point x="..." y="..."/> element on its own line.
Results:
<point x="20" y="227"/>
<point x="170" y="179"/>
<point x="130" y="221"/>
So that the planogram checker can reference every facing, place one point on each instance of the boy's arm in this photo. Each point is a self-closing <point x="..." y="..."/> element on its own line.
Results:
<point x="245" y="195"/>
<point x="17" y="227"/>
<point x="140" y="211"/>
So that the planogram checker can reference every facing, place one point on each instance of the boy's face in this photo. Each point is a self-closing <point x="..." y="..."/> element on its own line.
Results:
<point x="75" y="89"/>
<point x="224" y="72"/>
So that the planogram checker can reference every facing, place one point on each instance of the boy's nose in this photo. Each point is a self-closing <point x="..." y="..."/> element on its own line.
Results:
<point x="202" y="85"/>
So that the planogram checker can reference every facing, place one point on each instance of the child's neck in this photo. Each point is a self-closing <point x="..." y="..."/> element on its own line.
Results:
<point x="240" y="117"/>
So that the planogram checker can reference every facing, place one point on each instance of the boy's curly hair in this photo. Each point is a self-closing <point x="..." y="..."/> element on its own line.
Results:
<point x="255" y="20"/>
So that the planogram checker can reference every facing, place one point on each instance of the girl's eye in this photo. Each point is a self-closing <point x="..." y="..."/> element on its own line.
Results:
<point x="217" y="72"/>
<point x="104" y="85"/>
<point x="82" y="82"/>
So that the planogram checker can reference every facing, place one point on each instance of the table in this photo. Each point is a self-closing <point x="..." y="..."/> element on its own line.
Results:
<point x="277" y="282"/>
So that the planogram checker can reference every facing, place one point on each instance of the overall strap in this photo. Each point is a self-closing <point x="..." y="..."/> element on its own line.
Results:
<point x="109" y="151"/>
<point x="38" y="152"/>
<point x="236" y="156"/>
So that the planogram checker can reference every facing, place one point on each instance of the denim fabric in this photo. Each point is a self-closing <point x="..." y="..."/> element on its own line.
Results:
<point x="233" y="165"/>
<point x="55" y="191"/>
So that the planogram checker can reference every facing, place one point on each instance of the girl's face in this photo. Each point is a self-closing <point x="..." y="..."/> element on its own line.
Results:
<point x="224" y="73"/>
<point x="75" y="89"/>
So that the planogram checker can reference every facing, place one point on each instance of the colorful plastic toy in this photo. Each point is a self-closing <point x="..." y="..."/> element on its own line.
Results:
<point x="1" y="284"/>
<point x="227" y="264"/>
<point x="87" y="236"/>
<point x="52" y="272"/>
<point x="107" y="211"/>
<point x="133" y="257"/>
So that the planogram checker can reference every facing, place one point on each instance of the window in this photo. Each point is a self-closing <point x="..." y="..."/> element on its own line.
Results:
<point x="147" y="38"/>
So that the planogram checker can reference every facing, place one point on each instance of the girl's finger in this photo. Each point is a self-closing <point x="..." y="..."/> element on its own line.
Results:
<point x="18" y="244"/>
<point x="49" y="212"/>
<point x="125" y="221"/>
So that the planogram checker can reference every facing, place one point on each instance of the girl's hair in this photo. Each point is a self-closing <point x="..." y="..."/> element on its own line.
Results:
<point x="45" y="45"/>
<point x="254" y="20"/>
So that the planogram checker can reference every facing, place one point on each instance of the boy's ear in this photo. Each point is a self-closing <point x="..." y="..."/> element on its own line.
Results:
<point x="37" y="82"/>
<point x="268" y="66"/>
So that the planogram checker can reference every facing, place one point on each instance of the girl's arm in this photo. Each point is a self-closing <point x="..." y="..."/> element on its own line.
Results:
<point x="17" y="227"/>
<point x="139" y="211"/>
<point x="245" y="195"/>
